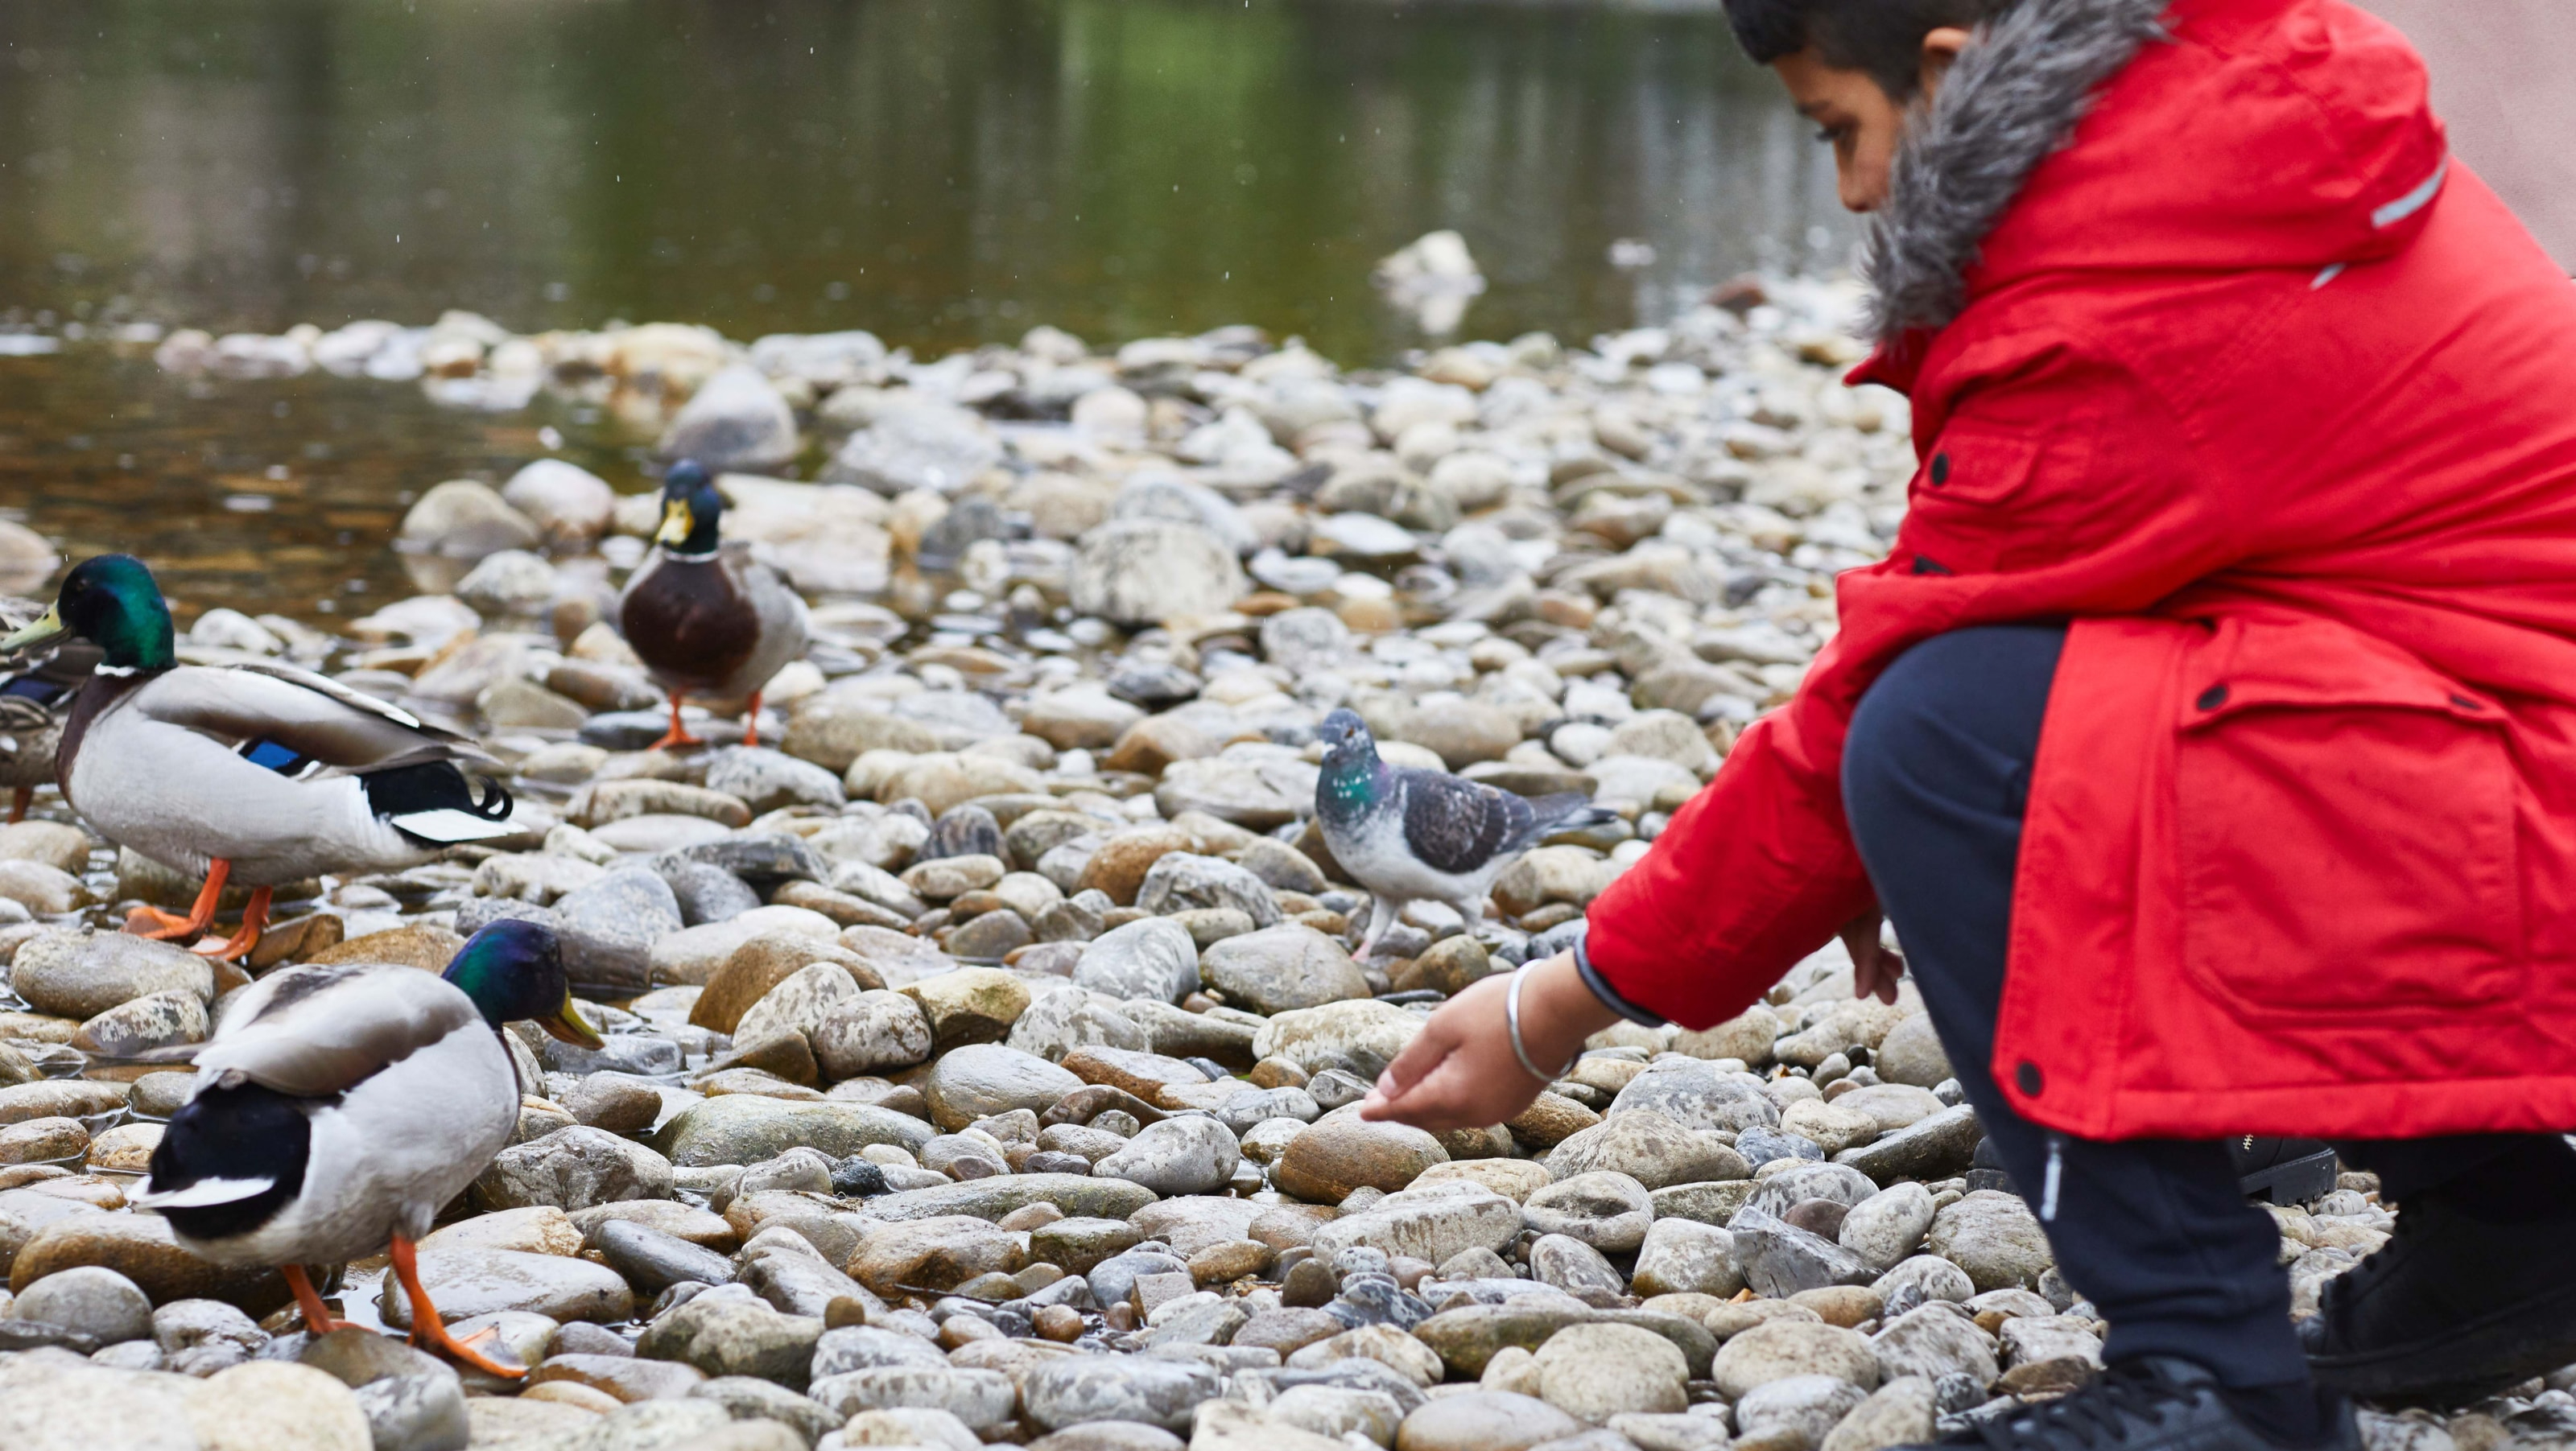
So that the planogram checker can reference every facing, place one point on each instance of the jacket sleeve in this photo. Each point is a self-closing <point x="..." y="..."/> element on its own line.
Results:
<point x="2048" y="506"/>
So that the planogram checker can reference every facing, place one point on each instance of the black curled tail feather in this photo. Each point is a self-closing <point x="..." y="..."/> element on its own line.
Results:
<point x="433" y="803"/>
<point x="497" y="803"/>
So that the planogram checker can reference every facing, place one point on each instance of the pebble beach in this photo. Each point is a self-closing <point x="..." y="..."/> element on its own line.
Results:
<point x="983" y="1046"/>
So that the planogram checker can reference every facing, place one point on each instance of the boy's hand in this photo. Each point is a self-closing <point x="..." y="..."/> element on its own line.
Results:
<point x="1459" y="1072"/>
<point x="1875" y="970"/>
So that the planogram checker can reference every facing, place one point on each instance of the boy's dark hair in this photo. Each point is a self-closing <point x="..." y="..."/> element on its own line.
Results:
<point x="1882" y="37"/>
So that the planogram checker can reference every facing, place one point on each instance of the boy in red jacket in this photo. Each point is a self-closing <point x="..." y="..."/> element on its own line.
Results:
<point x="2210" y="731"/>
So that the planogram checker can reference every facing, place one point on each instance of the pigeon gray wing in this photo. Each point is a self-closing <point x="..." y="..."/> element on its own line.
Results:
<point x="1457" y="826"/>
<point x="1562" y="811"/>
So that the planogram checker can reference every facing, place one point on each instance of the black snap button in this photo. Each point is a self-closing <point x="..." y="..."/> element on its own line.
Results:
<point x="2212" y="698"/>
<point x="1940" y="469"/>
<point x="2027" y="1075"/>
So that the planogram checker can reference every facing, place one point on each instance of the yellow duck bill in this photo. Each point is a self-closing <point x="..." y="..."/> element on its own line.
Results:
<point x="676" y="523"/>
<point x="43" y="630"/>
<point x="565" y="1025"/>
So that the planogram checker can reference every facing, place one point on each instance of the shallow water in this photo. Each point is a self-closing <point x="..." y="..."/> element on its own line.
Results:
<point x="939" y="171"/>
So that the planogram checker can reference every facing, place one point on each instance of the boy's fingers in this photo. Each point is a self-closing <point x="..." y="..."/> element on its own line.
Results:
<point x="1421" y="1056"/>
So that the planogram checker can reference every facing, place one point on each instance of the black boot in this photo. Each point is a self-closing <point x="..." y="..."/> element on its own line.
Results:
<point x="2275" y="1171"/>
<point x="2152" y="1404"/>
<point x="2283" y="1171"/>
<point x="2454" y="1307"/>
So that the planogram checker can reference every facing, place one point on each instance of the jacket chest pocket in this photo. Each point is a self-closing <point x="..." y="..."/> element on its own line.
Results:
<point x="1982" y="500"/>
<point x="2345" y="819"/>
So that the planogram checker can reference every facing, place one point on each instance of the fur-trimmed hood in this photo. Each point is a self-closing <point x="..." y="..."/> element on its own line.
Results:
<point x="2301" y="154"/>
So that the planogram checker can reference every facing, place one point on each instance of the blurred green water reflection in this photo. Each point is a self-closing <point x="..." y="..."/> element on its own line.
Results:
<point x="940" y="172"/>
<point x="943" y="173"/>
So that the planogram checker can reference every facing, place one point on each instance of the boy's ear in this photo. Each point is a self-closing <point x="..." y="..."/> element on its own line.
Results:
<point x="1940" y="47"/>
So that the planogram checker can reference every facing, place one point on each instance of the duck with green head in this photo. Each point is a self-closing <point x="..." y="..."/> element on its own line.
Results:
<point x="708" y="620"/>
<point x="252" y="773"/>
<point x="338" y="1107"/>
<point x="35" y="695"/>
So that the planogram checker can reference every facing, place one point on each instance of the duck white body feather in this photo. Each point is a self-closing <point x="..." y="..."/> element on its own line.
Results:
<point x="406" y="1093"/>
<point x="157" y="764"/>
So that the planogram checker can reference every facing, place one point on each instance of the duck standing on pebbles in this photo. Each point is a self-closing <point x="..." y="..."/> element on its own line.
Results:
<point x="338" y="1107"/>
<point x="34" y="699"/>
<point x="257" y="772"/>
<point x="1411" y="835"/>
<point x="706" y="619"/>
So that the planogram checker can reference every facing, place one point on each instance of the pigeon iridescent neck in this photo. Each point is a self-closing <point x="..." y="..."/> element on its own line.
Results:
<point x="1353" y="779"/>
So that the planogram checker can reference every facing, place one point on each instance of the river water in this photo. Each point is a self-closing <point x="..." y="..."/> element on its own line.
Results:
<point x="941" y="172"/>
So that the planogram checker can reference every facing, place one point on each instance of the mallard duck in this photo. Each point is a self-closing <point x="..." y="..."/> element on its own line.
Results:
<point x="706" y="619"/>
<point x="33" y="701"/>
<point x="259" y="773"/>
<point x="338" y="1107"/>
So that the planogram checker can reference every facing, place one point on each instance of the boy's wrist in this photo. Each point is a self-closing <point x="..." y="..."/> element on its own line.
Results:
<point x="1558" y="1011"/>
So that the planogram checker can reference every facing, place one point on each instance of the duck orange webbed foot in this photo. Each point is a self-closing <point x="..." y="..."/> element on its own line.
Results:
<point x="161" y="926"/>
<point x="239" y="945"/>
<point x="428" y="1332"/>
<point x="677" y="735"/>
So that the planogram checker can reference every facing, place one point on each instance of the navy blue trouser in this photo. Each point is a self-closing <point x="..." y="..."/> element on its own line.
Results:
<point x="2153" y="1232"/>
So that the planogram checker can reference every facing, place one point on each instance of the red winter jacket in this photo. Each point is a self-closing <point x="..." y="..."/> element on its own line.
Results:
<point x="2280" y="407"/>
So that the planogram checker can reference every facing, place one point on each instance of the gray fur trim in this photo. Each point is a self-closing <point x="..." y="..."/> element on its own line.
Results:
<point x="2012" y="98"/>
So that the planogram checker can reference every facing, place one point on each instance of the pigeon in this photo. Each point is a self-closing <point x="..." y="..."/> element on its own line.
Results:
<point x="1410" y="835"/>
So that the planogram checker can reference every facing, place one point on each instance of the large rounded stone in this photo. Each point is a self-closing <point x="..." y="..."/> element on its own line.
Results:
<point x="1886" y="1227"/>
<point x="91" y="1299"/>
<point x="982" y="1080"/>
<point x="1118" y="865"/>
<point x="1145" y="571"/>
<point x="1594" y="1372"/>
<point x="871" y="1033"/>
<point x="1362" y="1036"/>
<point x="1337" y="1155"/>
<point x="730" y="1331"/>
<point x="1779" y="1349"/>
<point x="1183" y="881"/>
<point x="269" y="1405"/>
<point x="81" y="974"/>
<point x="60" y="1098"/>
<point x="1483" y="1420"/>
<point x="575" y="1168"/>
<point x="747" y="1128"/>
<point x="1799" y="1408"/>
<point x="1193" y="1155"/>
<point x="466" y="1283"/>
<point x="1747" y="1036"/>
<point x="464" y="520"/>
<point x="736" y="420"/>
<point x="141" y="1248"/>
<point x="1683" y="1256"/>
<point x="1649" y="1148"/>
<point x="1696" y="1095"/>
<point x="934" y="1254"/>
<point x="1281" y="969"/>
<point x="1153" y="957"/>
<point x="1432" y="1224"/>
<point x="1607" y="1211"/>
<point x="969" y="1005"/>
<point x="763" y="963"/>
<point x="1992" y="1236"/>
<point x="1911" y="1054"/>
<point x="1077" y="1389"/>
